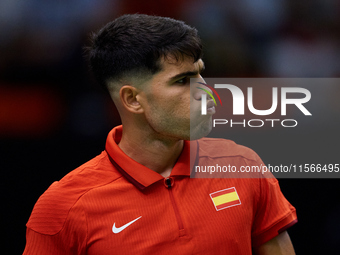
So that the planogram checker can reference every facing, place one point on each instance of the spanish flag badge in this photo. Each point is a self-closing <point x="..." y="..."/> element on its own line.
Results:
<point x="225" y="198"/>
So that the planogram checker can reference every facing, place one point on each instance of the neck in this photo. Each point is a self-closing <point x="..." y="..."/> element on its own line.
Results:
<point x="159" y="155"/>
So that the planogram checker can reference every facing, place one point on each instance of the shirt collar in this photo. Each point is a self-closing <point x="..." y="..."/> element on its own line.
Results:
<point x="139" y="175"/>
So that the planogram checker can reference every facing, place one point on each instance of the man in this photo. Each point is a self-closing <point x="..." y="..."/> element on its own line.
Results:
<point x="137" y="196"/>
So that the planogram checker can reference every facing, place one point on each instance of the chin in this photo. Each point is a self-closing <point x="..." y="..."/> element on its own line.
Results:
<point x="199" y="132"/>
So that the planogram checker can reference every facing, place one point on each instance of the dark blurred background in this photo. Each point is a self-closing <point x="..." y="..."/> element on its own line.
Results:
<point x="53" y="117"/>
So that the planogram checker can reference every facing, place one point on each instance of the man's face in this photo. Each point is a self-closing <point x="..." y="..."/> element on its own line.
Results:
<point x="172" y="106"/>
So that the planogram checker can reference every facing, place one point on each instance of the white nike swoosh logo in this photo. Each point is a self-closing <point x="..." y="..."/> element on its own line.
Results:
<point x="118" y="230"/>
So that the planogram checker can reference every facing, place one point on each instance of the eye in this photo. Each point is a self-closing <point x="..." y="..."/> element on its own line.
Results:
<point x="183" y="81"/>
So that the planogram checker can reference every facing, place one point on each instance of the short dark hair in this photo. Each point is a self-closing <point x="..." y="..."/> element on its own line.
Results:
<point x="136" y="42"/>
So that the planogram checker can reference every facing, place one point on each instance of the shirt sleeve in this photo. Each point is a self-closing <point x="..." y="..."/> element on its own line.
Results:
<point x="71" y="239"/>
<point x="274" y="214"/>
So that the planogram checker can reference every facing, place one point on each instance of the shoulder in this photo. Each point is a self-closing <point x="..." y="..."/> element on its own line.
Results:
<point x="218" y="147"/>
<point x="52" y="208"/>
<point x="225" y="159"/>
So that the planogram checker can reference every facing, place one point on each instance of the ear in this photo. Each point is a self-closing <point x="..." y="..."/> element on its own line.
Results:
<point x="128" y="96"/>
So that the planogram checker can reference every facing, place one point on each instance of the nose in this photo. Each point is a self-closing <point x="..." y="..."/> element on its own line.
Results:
<point x="201" y="88"/>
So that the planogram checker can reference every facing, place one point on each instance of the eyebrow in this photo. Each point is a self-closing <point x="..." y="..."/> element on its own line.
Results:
<point x="189" y="73"/>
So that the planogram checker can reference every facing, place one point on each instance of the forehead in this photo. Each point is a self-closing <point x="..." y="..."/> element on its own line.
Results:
<point x="172" y="68"/>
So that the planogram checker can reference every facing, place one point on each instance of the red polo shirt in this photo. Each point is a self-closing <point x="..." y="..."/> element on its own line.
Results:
<point x="114" y="205"/>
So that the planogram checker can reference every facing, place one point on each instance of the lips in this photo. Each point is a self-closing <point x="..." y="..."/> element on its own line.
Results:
<point x="210" y="104"/>
<point x="210" y="107"/>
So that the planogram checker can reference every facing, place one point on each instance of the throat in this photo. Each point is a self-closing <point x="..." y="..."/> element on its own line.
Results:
<point x="156" y="155"/>
<point x="166" y="173"/>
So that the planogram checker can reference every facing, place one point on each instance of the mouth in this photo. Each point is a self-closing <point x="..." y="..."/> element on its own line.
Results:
<point x="211" y="107"/>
